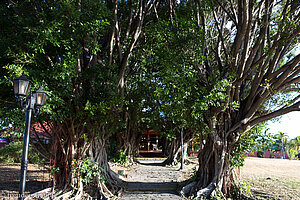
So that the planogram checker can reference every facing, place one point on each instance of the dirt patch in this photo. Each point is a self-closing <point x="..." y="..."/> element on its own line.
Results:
<point x="272" y="178"/>
<point x="122" y="170"/>
<point x="37" y="178"/>
<point x="189" y="170"/>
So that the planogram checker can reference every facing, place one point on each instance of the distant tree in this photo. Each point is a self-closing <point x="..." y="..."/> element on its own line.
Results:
<point x="297" y="143"/>
<point x="283" y="137"/>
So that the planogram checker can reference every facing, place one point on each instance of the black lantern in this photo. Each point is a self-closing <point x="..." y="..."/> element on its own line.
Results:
<point x="21" y="87"/>
<point x="40" y="97"/>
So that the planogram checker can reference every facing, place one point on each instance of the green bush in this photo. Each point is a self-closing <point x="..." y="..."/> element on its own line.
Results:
<point x="243" y="191"/>
<point x="12" y="153"/>
<point x="272" y="155"/>
<point x="260" y="154"/>
<point x="88" y="171"/>
<point x="293" y="154"/>
<point x="121" y="158"/>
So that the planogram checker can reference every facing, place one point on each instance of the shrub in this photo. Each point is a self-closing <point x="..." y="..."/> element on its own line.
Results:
<point x="241" y="191"/>
<point x="260" y="154"/>
<point x="88" y="171"/>
<point x="272" y="155"/>
<point x="121" y="158"/>
<point x="12" y="153"/>
<point x="293" y="154"/>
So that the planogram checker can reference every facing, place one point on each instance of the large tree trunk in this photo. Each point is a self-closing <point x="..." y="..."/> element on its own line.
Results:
<point x="130" y="137"/>
<point x="174" y="152"/>
<point x="215" y="170"/>
<point x="67" y="145"/>
<point x="97" y="152"/>
<point x="173" y="149"/>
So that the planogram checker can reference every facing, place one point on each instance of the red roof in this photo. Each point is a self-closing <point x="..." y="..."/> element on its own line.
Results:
<point x="37" y="130"/>
<point x="151" y="132"/>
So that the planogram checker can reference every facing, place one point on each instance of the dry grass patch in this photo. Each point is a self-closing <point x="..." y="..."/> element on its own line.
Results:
<point x="273" y="178"/>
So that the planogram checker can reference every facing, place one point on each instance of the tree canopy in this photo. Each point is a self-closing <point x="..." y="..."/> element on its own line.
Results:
<point x="113" y="68"/>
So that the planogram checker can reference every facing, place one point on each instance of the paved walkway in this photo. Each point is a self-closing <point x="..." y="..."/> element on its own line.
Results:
<point x="152" y="181"/>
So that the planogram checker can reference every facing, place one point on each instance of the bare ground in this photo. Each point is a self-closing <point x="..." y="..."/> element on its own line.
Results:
<point x="38" y="178"/>
<point x="272" y="178"/>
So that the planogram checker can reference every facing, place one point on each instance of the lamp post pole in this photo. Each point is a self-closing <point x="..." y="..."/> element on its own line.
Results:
<point x="34" y="101"/>
<point x="24" y="161"/>
<point x="182" y="158"/>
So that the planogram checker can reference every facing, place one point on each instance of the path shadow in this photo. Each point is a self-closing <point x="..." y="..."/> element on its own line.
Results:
<point x="32" y="186"/>
<point x="173" y="192"/>
<point x="150" y="163"/>
<point x="37" y="179"/>
<point x="158" y="187"/>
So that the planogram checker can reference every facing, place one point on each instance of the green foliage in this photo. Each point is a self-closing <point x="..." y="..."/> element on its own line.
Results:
<point x="47" y="50"/>
<point x="293" y="148"/>
<point x="295" y="143"/>
<point x="12" y="153"/>
<point x="121" y="157"/>
<point x="218" y="195"/>
<point x="293" y="154"/>
<point x="255" y="139"/>
<point x="260" y="154"/>
<point x="12" y="132"/>
<point x="263" y="139"/>
<point x="172" y="94"/>
<point x="88" y="171"/>
<point x="237" y="158"/>
<point x="54" y="170"/>
<point x="242" y="190"/>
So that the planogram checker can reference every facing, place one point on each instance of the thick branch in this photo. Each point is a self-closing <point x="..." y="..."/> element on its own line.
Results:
<point x="294" y="107"/>
<point x="136" y="35"/>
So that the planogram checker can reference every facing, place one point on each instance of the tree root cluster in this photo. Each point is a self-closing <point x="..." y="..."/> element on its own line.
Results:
<point x="101" y="191"/>
<point x="212" y="192"/>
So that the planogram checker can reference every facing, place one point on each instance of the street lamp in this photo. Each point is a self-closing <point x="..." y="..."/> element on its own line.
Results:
<point x="21" y="87"/>
<point x="32" y="104"/>
<point x="182" y="153"/>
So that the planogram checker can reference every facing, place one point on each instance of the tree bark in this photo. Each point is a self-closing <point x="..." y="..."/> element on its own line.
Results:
<point x="214" y="167"/>
<point x="97" y="152"/>
<point x="174" y="147"/>
<point x="67" y="145"/>
<point x="129" y="138"/>
<point x="173" y="150"/>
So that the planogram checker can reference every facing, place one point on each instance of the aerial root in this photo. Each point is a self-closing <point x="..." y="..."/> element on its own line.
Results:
<point x="191" y="190"/>
<point x="186" y="190"/>
<point x="205" y="192"/>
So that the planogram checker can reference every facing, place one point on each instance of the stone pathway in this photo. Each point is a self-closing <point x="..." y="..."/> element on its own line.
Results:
<point x="152" y="181"/>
